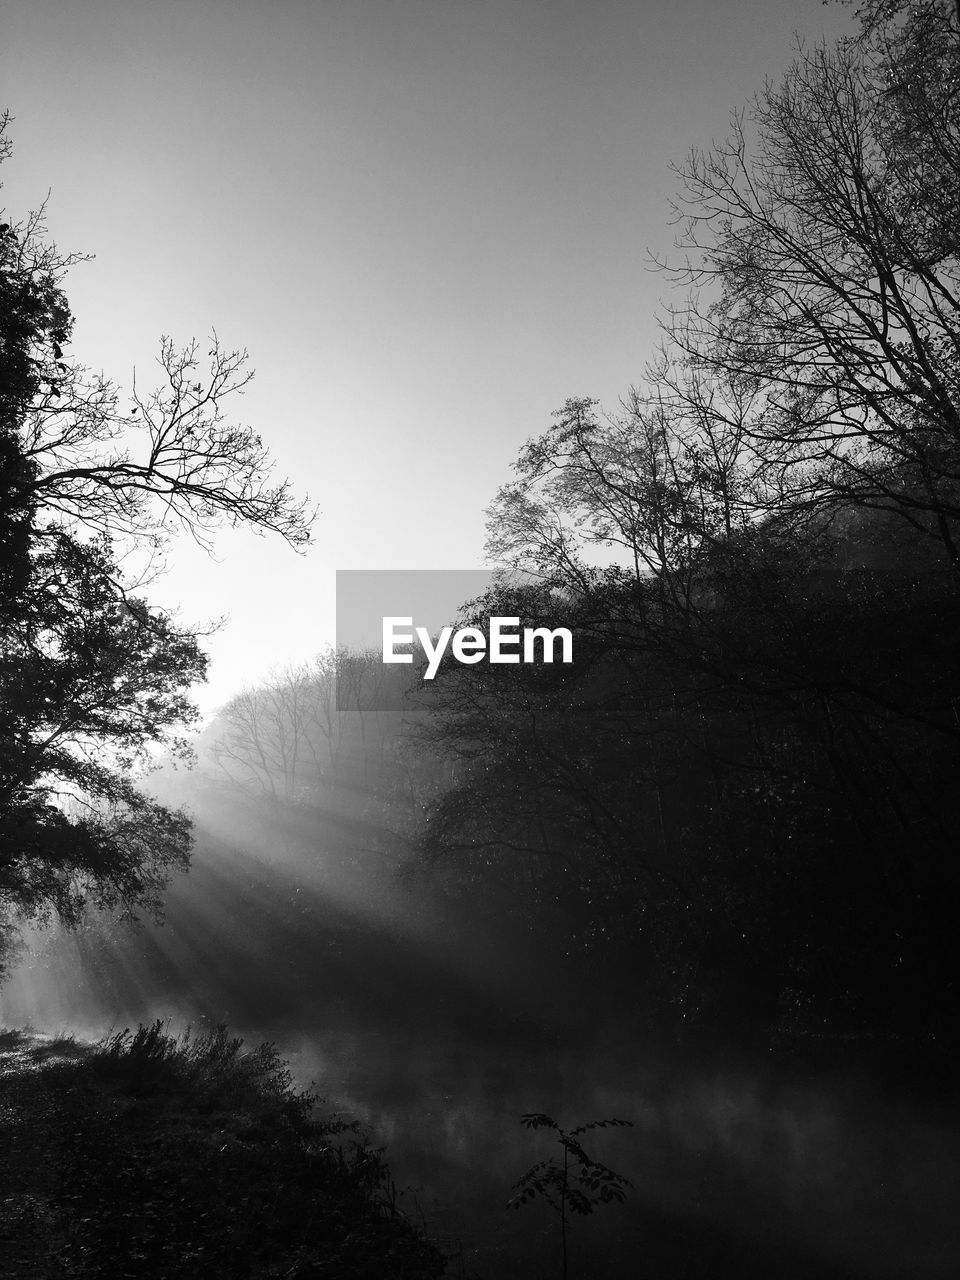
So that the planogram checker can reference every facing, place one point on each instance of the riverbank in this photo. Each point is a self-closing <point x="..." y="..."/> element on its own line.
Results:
<point x="152" y="1157"/>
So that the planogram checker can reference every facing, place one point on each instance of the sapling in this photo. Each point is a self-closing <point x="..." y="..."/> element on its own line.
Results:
<point x="577" y="1184"/>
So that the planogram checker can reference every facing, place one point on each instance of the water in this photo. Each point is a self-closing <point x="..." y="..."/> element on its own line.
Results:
<point x="437" y="1032"/>
<point x="736" y="1172"/>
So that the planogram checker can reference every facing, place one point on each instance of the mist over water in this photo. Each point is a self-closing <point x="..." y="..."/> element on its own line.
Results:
<point x="436" y="1027"/>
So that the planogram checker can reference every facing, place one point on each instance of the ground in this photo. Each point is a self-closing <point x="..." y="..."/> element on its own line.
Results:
<point x="154" y="1158"/>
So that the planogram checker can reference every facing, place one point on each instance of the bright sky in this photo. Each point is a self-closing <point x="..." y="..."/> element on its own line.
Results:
<point x="427" y="220"/>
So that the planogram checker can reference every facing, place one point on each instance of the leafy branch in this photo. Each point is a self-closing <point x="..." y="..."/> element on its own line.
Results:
<point x="577" y="1183"/>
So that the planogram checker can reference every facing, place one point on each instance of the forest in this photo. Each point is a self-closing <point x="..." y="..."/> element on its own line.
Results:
<point x="718" y="846"/>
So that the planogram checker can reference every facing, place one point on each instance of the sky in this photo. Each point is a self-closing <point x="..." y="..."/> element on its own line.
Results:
<point x="428" y="221"/>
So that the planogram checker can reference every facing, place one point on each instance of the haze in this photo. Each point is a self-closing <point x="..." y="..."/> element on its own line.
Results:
<point x="428" y="222"/>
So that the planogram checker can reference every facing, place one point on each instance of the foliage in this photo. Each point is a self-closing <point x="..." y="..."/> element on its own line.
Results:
<point x="553" y="1180"/>
<point x="93" y="680"/>
<point x="741" y="792"/>
<point x="154" y="1156"/>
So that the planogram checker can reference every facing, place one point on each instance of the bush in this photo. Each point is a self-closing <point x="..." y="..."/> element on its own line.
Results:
<point x="157" y="1156"/>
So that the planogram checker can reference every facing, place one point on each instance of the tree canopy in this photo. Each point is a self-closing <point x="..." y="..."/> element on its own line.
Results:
<point x="93" y="679"/>
<point x="747" y="776"/>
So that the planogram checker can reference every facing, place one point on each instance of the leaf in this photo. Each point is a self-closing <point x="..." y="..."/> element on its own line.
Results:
<point x="538" y="1120"/>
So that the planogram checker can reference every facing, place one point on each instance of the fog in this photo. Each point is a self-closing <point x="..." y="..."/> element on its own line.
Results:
<point x="435" y="1019"/>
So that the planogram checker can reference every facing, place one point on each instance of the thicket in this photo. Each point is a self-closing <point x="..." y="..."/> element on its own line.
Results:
<point x="150" y="1155"/>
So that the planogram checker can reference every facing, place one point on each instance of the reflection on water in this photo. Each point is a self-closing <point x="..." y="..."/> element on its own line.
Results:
<point x="734" y="1172"/>
<point x="746" y="1170"/>
<point x="737" y="1171"/>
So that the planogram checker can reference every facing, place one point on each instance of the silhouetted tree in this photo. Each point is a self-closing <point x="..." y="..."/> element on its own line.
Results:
<point x="748" y="769"/>
<point x="93" y="680"/>
<point x="826" y="228"/>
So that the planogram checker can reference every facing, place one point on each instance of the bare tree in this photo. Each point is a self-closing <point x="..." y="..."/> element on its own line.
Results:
<point x="825" y="231"/>
<point x="174" y="459"/>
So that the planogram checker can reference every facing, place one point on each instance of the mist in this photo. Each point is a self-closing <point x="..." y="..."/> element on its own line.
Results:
<point x="423" y="1006"/>
<point x="346" y="930"/>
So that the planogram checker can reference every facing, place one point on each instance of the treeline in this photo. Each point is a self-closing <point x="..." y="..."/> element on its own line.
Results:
<point x="749" y="772"/>
<point x="741" y="797"/>
<point x="337" y="740"/>
<point x="739" y="801"/>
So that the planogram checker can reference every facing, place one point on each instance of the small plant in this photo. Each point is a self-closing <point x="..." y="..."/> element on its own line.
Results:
<point x="577" y="1184"/>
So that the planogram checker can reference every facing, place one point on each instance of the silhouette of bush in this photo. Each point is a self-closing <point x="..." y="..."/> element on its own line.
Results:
<point x="156" y="1156"/>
